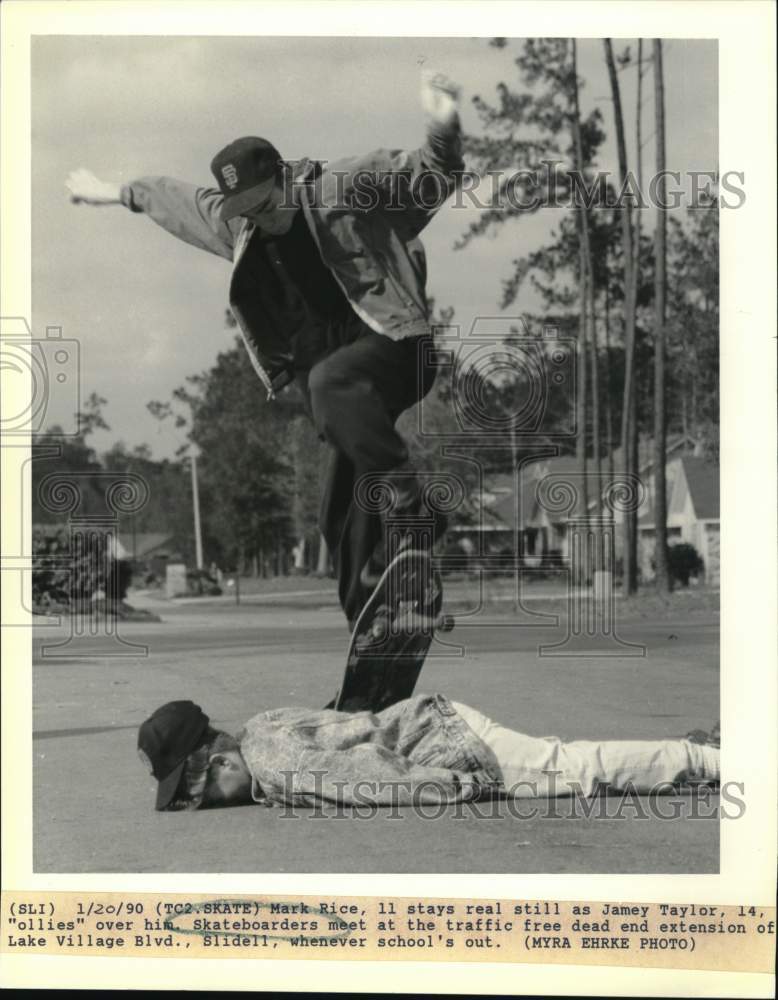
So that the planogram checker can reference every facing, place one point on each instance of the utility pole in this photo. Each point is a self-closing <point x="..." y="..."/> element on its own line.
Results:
<point x="196" y="509"/>
<point x="517" y="527"/>
<point x="660" y="337"/>
<point x="322" y="564"/>
<point x="629" y="411"/>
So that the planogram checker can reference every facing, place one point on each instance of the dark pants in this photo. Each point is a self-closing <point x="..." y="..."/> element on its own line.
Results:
<point x="355" y="394"/>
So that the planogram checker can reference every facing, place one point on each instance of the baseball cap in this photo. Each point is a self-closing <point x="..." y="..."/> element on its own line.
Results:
<point x="166" y="739"/>
<point x="245" y="171"/>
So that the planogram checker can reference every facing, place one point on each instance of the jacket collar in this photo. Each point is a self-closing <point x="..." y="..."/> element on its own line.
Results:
<point x="304" y="171"/>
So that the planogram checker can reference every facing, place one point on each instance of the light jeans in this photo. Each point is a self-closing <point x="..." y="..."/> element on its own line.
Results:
<point x="545" y="766"/>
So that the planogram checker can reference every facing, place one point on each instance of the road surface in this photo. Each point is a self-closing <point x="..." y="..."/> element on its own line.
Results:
<point x="93" y="808"/>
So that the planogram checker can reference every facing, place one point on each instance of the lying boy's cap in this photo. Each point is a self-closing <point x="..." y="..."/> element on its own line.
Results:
<point x="166" y="739"/>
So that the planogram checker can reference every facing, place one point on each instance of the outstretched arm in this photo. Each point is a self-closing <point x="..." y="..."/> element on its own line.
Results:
<point x="414" y="183"/>
<point x="187" y="211"/>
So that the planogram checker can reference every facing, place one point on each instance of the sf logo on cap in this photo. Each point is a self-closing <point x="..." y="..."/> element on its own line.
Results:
<point x="230" y="175"/>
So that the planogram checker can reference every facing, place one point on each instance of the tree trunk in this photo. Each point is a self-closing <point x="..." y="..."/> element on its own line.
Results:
<point x="596" y="449"/>
<point x="580" y="448"/>
<point x="323" y="564"/>
<point x="608" y="373"/>
<point x="517" y="544"/>
<point x="299" y="554"/>
<point x="660" y="283"/>
<point x="634" y="464"/>
<point x="639" y="161"/>
<point x="238" y="572"/>
<point x="584" y="280"/>
<point x="635" y="461"/>
<point x="629" y="530"/>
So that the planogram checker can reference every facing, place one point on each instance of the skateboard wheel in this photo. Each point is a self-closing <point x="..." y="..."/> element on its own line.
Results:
<point x="379" y="628"/>
<point x="447" y="623"/>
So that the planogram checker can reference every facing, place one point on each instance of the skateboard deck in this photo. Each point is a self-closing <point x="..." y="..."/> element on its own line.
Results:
<point x="393" y="634"/>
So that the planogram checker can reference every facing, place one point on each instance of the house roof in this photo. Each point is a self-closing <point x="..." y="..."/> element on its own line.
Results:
<point x="50" y="530"/>
<point x="702" y="482"/>
<point x="675" y="446"/>
<point x="702" y="478"/>
<point x="502" y="511"/>
<point x="145" y="542"/>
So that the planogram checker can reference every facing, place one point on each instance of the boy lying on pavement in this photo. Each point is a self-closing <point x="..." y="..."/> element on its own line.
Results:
<point x="425" y="749"/>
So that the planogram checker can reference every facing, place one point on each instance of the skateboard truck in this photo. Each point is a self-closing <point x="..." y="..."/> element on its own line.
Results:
<point x="406" y="622"/>
<point x="412" y="621"/>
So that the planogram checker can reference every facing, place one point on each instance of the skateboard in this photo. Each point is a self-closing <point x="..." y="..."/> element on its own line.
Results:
<point x="393" y="634"/>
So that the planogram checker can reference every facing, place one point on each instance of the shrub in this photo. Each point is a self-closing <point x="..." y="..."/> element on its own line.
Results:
<point x="68" y="572"/>
<point x="684" y="561"/>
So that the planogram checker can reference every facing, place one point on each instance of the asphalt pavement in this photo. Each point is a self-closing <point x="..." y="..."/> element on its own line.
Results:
<point x="93" y="800"/>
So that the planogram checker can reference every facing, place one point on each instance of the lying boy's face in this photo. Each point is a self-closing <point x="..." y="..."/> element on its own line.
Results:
<point x="229" y="780"/>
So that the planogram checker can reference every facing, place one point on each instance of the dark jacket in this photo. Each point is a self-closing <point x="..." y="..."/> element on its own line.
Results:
<point x="365" y="214"/>
<point x="418" y="750"/>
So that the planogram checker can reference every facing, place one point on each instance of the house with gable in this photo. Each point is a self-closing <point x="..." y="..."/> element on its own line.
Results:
<point x="512" y="520"/>
<point x="693" y="514"/>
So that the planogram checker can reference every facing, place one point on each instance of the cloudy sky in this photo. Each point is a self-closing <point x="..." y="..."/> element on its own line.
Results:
<point x="147" y="309"/>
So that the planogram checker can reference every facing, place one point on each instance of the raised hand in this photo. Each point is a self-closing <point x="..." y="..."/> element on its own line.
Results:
<point x="86" y="189"/>
<point x="439" y="96"/>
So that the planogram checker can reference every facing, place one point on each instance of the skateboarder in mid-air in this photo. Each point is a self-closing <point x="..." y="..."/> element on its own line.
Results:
<point x="420" y="750"/>
<point x="328" y="289"/>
